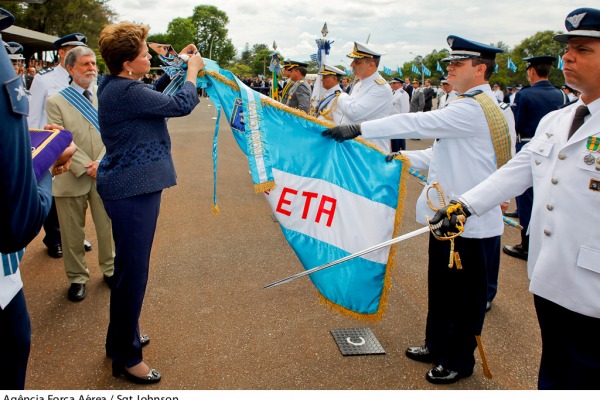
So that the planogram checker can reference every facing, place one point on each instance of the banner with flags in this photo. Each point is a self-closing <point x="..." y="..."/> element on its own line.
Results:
<point x="426" y="71"/>
<point x="415" y="69"/>
<point x="341" y="199"/>
<point x="511" y="65"/>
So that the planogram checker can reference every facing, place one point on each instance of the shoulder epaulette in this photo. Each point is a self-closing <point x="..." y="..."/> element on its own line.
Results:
<point x="471" y="94"/>
<point x="45" y="71"/>
<point x="380" y="81"/>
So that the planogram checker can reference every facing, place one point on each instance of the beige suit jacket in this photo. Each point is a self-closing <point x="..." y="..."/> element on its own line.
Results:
<point x="89" y="146"/>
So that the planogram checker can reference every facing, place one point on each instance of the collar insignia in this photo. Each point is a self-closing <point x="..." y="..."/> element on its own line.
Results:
<point x="80" y="37"/>
<point x="549" y="135"/>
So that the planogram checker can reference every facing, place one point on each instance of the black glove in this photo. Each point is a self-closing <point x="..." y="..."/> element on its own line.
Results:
<point x="343" y="132"/>
<point x="443" y="224"/>
<point x="391" y="156"/>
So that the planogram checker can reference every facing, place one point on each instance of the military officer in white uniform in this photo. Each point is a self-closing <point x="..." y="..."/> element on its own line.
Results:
<point x="327" y="107"/>
<point x="371" y="96"/>
<point x="448" y="93"/>
<point x="400" y="105"/>
<point x="562" y="162"/>
<point x="44" y="85"/>
<point x="463" y="155"/>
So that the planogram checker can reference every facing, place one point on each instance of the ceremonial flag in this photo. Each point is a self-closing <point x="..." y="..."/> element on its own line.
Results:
<point x="496" y="69"/>
<point x="331" y="199"/>
<point x="439" y="68"/>
<point x="387" y="70"/>
<point x="313" y="57"/>
<point x="323" y="48"/>
<point x="560" y="63"/>
<point x="415" y="69"/>
<point x="426" y="71"/>
<point x="399" y="72"/>
<point x="511" y="65"/>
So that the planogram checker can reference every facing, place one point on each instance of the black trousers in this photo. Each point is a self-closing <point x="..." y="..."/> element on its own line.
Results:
<point x="15" y="337"/>
<point x="457" y="299"/>
<point x="570" y="348"/>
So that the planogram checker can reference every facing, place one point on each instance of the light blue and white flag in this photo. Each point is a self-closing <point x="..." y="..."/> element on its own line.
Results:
<point x="387" y="70"/>
<point x="561" y="63"/>
<point x="511" y="65"/>
<point x="426" y="71"/>
<point x="439" y="68"/>
<point x="415" y="69"/>
<point x="331" y="199"/>
<point x="399" y="70"/>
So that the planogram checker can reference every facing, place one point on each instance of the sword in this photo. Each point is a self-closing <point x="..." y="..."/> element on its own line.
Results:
<point x="350" y="257"/>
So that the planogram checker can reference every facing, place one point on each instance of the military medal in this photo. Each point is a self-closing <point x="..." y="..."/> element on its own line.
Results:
<point x="593" y="143"/>
<point x="589" y="159"/>
<point x="598" y="164"/>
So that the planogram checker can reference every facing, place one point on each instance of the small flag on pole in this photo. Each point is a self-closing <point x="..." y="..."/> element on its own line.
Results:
<point x="387" y="70"/>
<point x="399" y="71"/>
<point x="561" y="63"/>
<point x="426" y="71"/>
<point x="511" y="65"/>
<point x="415" y="69"/>
<point x="439" y="67"/>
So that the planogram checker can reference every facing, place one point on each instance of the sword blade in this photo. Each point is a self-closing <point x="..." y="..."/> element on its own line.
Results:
<point x="350" y="257"/>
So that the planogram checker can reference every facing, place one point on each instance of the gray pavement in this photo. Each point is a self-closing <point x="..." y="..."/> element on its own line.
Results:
<point x="211" y="324"/>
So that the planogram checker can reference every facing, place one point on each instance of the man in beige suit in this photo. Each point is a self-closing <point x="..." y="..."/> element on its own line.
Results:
<point x="75" y="108"/>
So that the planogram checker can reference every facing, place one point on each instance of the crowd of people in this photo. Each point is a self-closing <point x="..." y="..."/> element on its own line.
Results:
<point x="123" y="163"/>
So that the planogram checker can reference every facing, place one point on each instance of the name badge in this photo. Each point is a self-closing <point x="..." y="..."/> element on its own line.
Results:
<point x="595" y="185"/>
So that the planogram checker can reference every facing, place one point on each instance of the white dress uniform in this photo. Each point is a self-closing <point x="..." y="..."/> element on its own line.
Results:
<point x="564" y="247"/>
<point x="462" y="158"/>
<point x="44" y="85"/>
<point x="371" y="98"/>
<point x="327" y="107"/>
<point x="446" y="98"/>
<point x="400" y="102"/>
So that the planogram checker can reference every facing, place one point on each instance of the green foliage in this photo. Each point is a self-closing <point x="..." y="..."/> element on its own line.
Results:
<point x="241" y="69"/>
<point x="181" y="32"/>
<point x="62" y="17"/>
<point x="211" y="33"/>
<point x="260" y="64"/>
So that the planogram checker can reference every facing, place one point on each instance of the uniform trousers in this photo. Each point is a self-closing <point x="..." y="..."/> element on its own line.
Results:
<point x="570" y="348"/>
<point x="493" y="271"/>
<point x="15" y="336"/>
<point x="71" y="215"/>
<point x="398" y="144"/>
<point x="524" y="207"/>
<point x="457" y="300"/>
<point x="51" y="227"/>
<point x="134" y="224"/>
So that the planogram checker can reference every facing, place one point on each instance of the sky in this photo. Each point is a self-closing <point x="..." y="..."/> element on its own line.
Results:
<point x="401" y="29"/>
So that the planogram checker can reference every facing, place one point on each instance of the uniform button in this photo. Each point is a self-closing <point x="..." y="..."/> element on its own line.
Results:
<point x="554" y="181"/>
<point x="550" y="207"/>
<point x="561" y="156"/>
<point x="547" y="232"/>
<point x="541" y="150"/>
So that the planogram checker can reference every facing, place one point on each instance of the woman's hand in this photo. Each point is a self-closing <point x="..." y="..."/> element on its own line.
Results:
<point x="189" y="49"/>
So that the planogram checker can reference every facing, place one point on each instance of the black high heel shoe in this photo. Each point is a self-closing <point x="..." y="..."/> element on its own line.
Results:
<point x="153" y="376"/>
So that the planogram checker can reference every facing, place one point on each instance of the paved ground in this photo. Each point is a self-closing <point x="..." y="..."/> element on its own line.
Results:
<point x="214" y="327"/>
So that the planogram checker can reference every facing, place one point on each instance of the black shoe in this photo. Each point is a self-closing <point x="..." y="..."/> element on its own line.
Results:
<point x="76" y="292"/>
<point x="441" y="375"/>
<point x="109" y="280"/>
<point x="87" y="246"/>
<point x="55" y="251"/>
<point x="516" y="251"/>
<point x="419" y="353"/>
<point x="488" y="306"/>
<point x="153" y="376"/>
<point x="511" y="214"/>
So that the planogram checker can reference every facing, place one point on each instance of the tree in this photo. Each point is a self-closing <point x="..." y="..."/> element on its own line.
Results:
<point x="61" y="17"/>
<point x="540" y="44"/>
<point x="211" y="34"/>
<point x="262" y="58"/>
<point x="180" y="33"/>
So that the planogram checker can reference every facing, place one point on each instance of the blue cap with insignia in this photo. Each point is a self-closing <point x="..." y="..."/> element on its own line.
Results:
<point x="581" y="22"/>
<point x="463" y="49"/>
<point x="331" y="70"/>
<point x="444" y="80"/>
<point x="539" y="60"/>
<point x="362" y="51"/>
<point x="74" y="39"/>
<point x="6" y="19"/>
<point x="14" y="50"/>
<point x="396" y="80"/>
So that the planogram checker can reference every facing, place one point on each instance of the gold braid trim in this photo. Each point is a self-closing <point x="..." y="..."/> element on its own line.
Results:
<point x="43" y="145"/>
<point x="391" y="264"/>
<point x="264" y="187"/>
<point x="498" y="128"/>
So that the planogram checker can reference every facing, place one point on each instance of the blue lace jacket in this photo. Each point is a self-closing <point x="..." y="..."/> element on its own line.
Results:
<point x="133" y="124"/>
